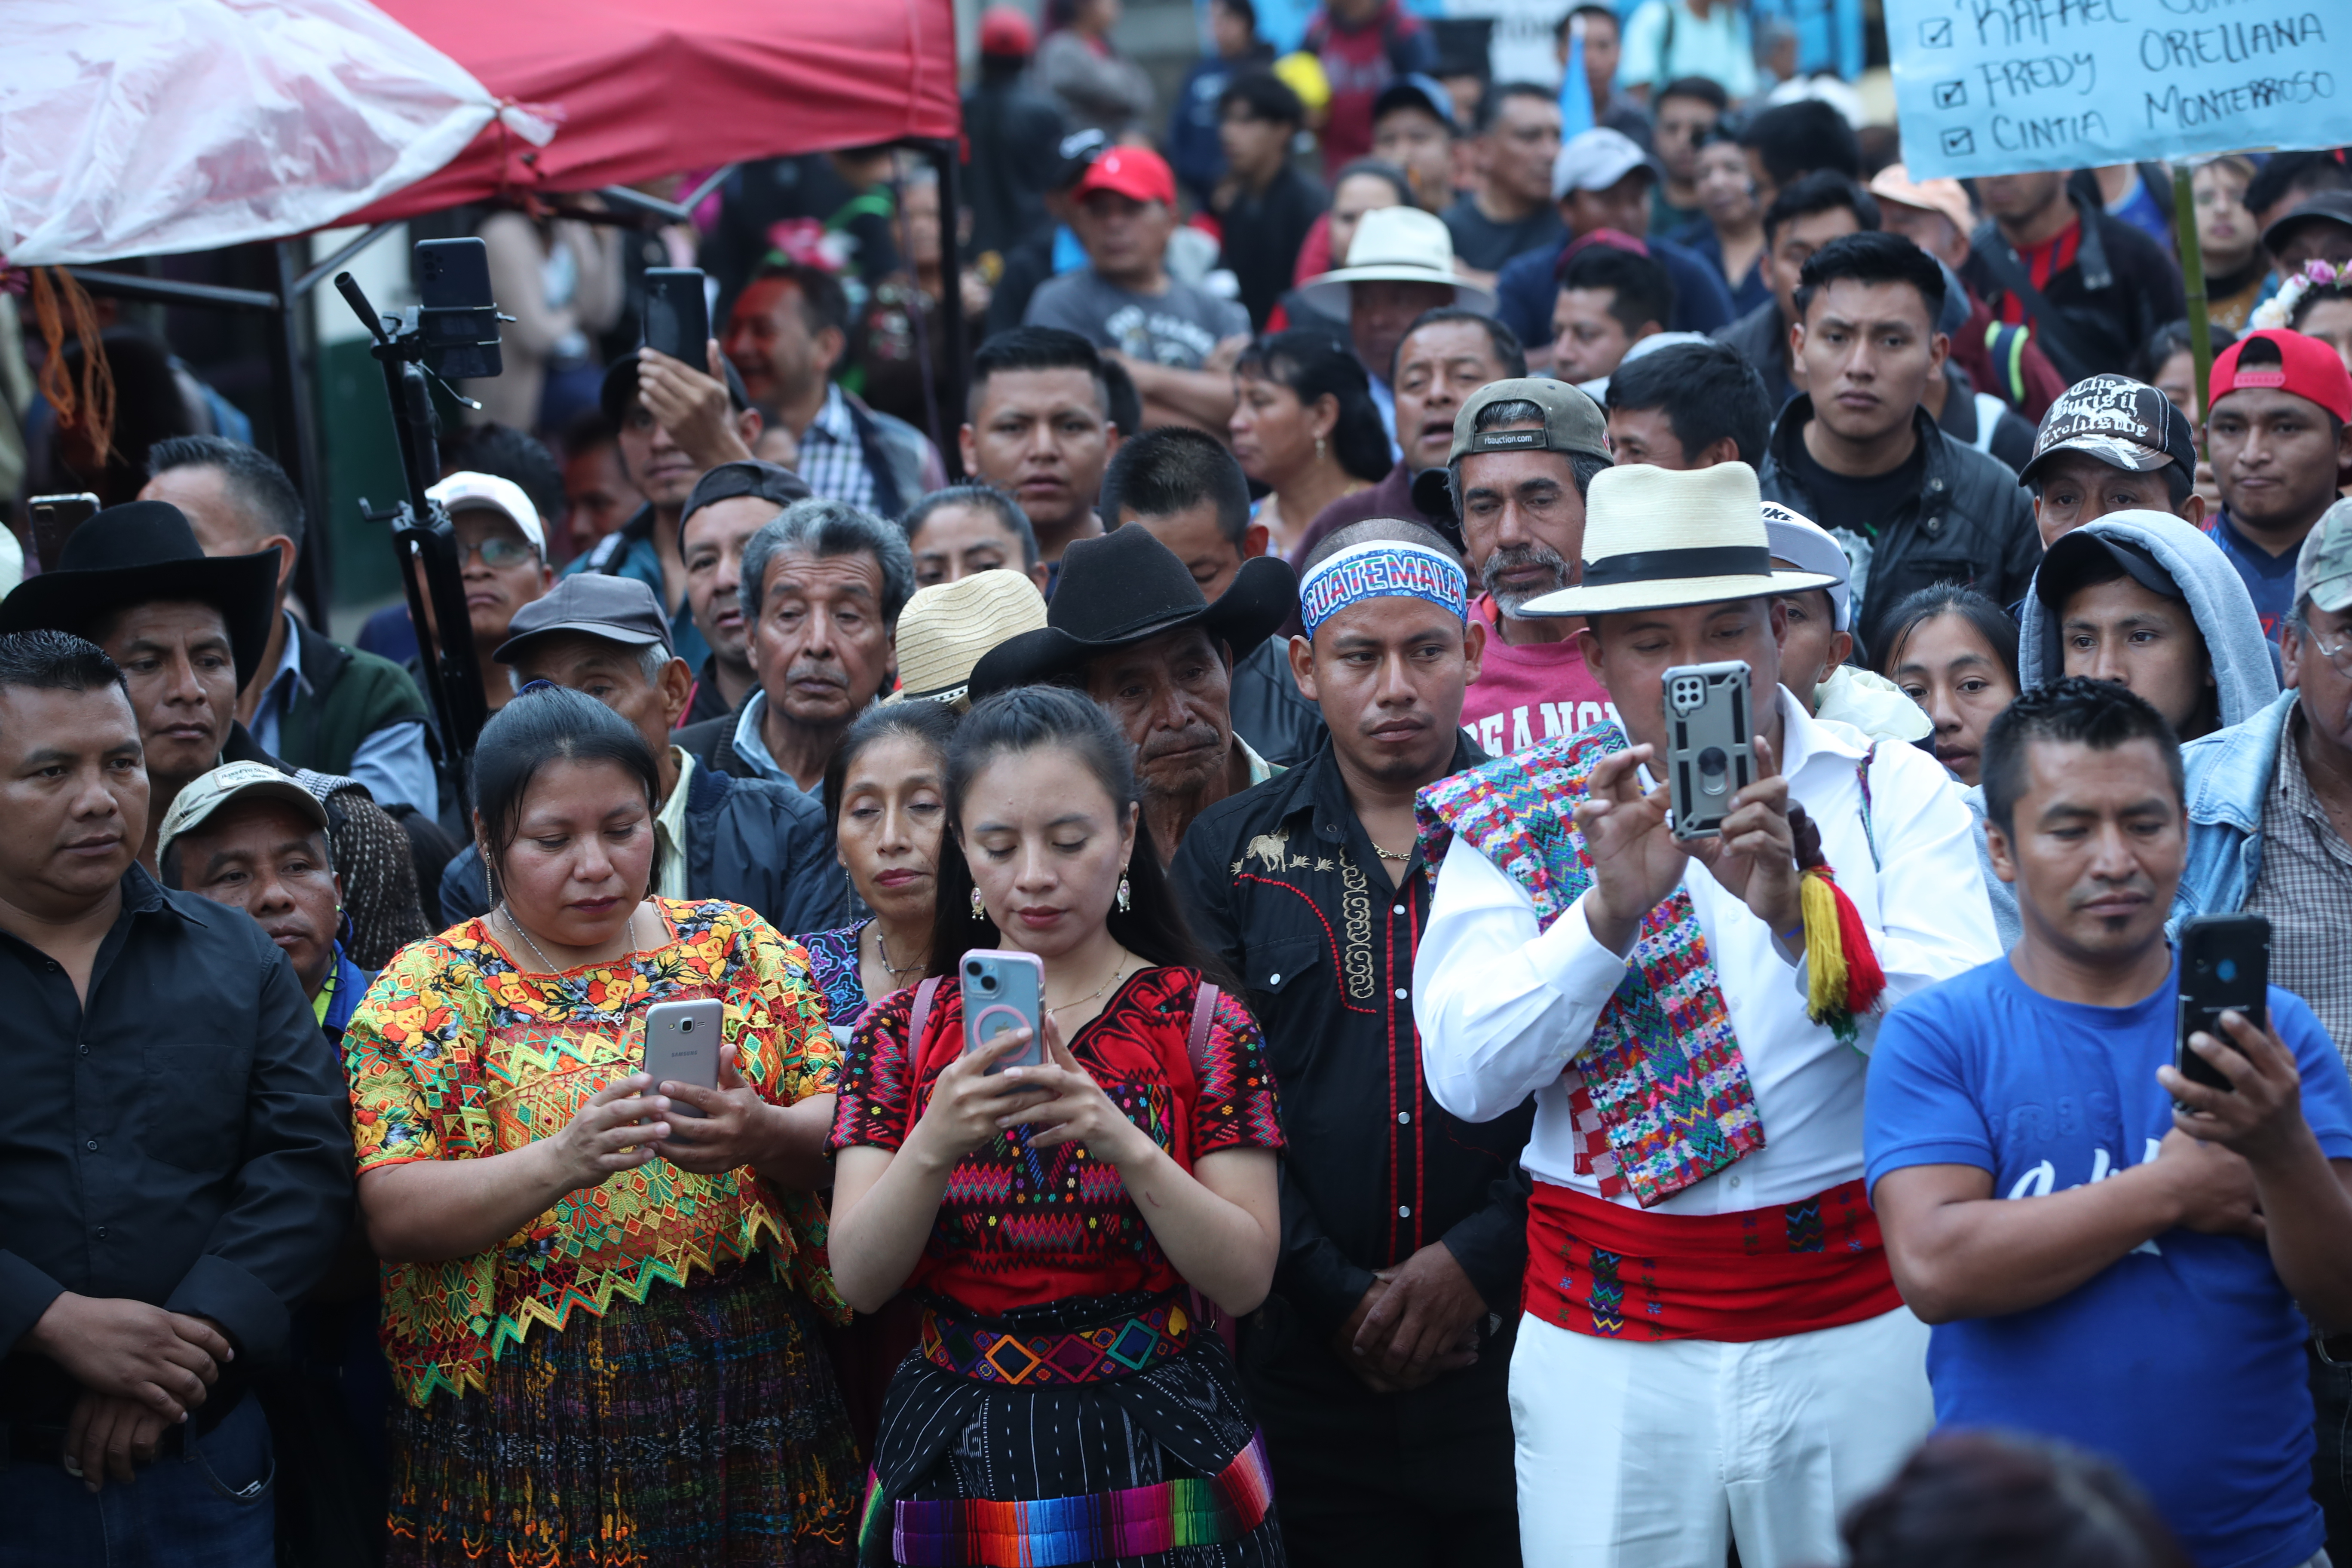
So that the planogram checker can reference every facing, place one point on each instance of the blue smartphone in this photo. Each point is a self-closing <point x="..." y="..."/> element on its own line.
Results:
<point x="1001" y="992"/>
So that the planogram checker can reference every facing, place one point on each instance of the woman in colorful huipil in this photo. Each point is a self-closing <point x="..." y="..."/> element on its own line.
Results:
<point x="1067" y="1405"/>
<point x="886" y="788"/>
<point x="600" y="1308"/>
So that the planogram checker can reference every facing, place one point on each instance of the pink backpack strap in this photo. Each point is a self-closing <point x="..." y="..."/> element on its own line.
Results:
<point x="923" y="994"/>
<point x="1196" y="1047"/>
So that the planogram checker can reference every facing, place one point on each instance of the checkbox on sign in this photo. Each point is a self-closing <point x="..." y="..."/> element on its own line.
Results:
<point x="1936" y="35"/>
<point x="1951" y="95"/>
<point x="1959" y="144"/>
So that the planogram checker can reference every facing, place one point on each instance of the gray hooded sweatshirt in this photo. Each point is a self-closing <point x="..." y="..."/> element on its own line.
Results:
<point x="2245" y="673"/>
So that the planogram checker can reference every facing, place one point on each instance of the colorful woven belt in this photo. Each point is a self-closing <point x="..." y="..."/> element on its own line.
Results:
<point x="1138" y="1521"/>
<point x="1119" y="1348"/>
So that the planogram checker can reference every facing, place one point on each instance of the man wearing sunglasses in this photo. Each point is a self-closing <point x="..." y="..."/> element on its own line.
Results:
<point x="501" y="561"/>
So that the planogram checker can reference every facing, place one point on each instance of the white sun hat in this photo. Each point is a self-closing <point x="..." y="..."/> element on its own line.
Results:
<point x="1658" y="538"/>
<point x="1395" y="245"/>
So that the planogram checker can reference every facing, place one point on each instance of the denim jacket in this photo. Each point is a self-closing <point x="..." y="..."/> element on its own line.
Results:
<point x="2229" y="778"/>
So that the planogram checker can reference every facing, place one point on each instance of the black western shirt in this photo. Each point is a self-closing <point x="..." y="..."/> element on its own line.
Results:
<point x="180" y="1141"/>
<point x="1281" y="882"/>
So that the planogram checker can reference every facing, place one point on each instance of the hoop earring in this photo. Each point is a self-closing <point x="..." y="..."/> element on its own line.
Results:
<point x="1122" y="893"/>
<point x="979" y="910"/>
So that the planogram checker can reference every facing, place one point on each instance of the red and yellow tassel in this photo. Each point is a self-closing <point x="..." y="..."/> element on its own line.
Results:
<point x="1843" y="980"/>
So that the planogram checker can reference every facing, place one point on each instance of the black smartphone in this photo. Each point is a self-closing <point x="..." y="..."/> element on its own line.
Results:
<point x="2225" y="966"/>
<point x="54" y="519"/>
<point x="459" y="315"/>
<point x="678" y="315"/>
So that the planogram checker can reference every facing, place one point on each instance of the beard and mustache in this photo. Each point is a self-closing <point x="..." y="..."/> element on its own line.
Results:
<point x="1515" y="557"/>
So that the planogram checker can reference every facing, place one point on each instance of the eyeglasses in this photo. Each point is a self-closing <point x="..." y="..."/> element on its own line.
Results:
<point x="2337" y="654"/>
<point x="498" y="554"/>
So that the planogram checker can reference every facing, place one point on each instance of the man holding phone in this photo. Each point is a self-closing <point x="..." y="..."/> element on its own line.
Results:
<point x="2113" y="1253"/>
<point x="1694" y="1123"/>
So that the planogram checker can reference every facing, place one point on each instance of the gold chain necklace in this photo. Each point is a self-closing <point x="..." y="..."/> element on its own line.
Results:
<point x="1116" y="970"/>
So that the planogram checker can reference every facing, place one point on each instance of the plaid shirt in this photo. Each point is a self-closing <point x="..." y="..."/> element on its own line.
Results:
<point x="832" y="461"/>
<point x="2305" y="890"/>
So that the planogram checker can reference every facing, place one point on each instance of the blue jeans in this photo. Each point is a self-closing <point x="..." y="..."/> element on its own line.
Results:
<point x="204" y="1503"/>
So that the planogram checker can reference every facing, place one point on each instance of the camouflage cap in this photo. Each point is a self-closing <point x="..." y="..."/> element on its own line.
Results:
<point x="2323" y="572"/>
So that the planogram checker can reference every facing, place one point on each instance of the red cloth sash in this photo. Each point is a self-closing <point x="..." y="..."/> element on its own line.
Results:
<point x="1615" y="1272"/>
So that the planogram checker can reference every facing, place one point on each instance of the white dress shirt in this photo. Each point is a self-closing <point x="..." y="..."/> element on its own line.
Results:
<point x="1503" y="1009"/>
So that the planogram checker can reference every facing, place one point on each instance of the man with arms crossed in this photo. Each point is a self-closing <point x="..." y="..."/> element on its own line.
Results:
<point x="2074" y="1215"/>
<point x="1711" y="1353"/>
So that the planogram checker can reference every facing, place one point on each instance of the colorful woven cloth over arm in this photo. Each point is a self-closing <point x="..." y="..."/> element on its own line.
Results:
<point x="1662" y="1076"/>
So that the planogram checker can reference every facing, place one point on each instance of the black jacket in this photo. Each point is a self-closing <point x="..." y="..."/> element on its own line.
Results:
<point x="1268" y="711"/>
<point x="1281" y="884"/>
<point x="749" y="841"/>
<point x="1972" y="522"/>
<point x="1761" y="338"/>
<point x="2121" y="288"/>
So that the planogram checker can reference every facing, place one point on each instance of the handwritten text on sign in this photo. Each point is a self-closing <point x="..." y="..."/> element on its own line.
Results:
<point x="1991" y="87"/>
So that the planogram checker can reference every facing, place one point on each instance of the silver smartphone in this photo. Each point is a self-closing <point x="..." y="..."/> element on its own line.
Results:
<point x="682" y="1047"/>
<point x="1001" y="992"/>
<point x="1708" y="755"/>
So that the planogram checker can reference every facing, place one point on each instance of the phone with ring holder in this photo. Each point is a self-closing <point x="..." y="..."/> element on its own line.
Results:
<point x="1003" y="991"/>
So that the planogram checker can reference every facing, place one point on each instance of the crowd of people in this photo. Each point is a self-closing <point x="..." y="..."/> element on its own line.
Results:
<point x="1423" y="1153"/>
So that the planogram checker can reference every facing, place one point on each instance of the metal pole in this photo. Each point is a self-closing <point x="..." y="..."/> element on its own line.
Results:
<point x="2192" y="274"/>
<point x="297" y="437"/>
<point x="945" y="159"/>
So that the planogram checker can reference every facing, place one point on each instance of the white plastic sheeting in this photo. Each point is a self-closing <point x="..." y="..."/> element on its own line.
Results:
<point x="142" y="127"/>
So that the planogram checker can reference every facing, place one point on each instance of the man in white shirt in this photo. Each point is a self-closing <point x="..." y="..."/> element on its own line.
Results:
<point x="1711" y="1350"/>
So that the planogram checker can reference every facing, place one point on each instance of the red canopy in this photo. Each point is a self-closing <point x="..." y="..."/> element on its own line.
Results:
<point x="647" y="88"/>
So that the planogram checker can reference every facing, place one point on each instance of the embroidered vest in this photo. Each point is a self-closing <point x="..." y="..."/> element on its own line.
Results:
<point x="1662" y="1074"/>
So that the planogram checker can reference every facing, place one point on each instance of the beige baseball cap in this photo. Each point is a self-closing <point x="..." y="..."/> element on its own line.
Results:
<point x="231" y="782"/>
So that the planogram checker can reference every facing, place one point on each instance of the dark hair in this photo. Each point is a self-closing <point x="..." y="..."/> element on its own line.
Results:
<point x="1379" y="169"/>
<point x="1505" y="343"/>
<point x="547" y="724"/>
<point x="2100" y="714"/>
<point x="1795" y="139"/>
<point x="1266" y="96"/>
<point x="2172" y="338"/>
<point x="1029" y="718"/>
<point x="2284" y="173"/>
<point x="1378" y="531"/>
<point x="1123" y="405"/>
<point x="1581" y="466"/>
<point x="509" y="453"/>
<point x="1704" y="89"/>
<point x="830" y="527"/>
<point x="56" y="661"/>
<point x="1921" y="605"/>
<point x="823" y="302"/>
<point x="1639" y="289"/>
<point x="1035" y="347"/>
<point x="1819" y="191"/>
<point x="1606" y="13"/>
<point x="1869" y="257"/>
<point x="932" y="723"/>
<point x="1708" y="391"/>
<point x="256" y="482"/>
<point x="2317" y="294"/>
<point x="1994" y="1500"/>
<point x="1490" y="103"/>
<point x="1174" y="468"/>
<point x="1315" y="365"/>
<point x="983" y="498"/>
<point x="1244" y="9"/>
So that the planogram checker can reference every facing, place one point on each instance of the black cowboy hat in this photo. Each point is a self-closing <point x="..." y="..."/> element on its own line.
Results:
<point x="139" y="552"/>
<point x="1124" y="589"/>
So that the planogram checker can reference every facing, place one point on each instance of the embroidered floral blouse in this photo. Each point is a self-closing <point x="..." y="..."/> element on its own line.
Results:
<point x="1019" y="1225"/>
<point x="456" y="1055"/>
<point x="833" y="965"/>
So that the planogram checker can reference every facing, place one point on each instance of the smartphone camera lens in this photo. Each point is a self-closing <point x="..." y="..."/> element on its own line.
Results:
<point x="686" y="1025"/>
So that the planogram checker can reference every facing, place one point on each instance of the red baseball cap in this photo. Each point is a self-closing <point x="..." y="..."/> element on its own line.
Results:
<point x="1136" y="172"/>
<point x="2305" y="367"/>
<point x="1006" y="33"/>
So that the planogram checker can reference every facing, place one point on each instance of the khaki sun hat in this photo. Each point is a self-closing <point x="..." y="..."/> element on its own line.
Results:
<point x="946" y="627"/>
<point x="1658" y="538"/>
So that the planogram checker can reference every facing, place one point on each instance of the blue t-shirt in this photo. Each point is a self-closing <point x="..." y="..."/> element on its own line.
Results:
<point x="2182" y="1360"/>
<point x="2269" y="578"/>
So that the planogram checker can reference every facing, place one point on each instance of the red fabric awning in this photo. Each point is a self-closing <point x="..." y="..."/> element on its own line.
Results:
<point x="647" y="87"/>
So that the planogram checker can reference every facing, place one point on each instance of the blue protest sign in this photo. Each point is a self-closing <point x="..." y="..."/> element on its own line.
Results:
<point x="1994" y="87"/>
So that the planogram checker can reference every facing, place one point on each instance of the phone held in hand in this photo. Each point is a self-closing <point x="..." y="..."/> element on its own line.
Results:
<point x="682" y="1047"/>
<point x="678" y="315"/>
<point x="2225" y="966"/>
<point x="1709" y="758"/>
<point x="1001" y="992"/>
<point x="54" y="519"/>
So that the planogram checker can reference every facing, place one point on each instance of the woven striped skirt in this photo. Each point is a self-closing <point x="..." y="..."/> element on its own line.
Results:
<point x="701" y="1430"/>
<point x="1160" y="1465"/>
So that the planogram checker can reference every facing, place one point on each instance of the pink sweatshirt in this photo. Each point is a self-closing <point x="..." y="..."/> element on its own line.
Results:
<point x="1531" y="693"/>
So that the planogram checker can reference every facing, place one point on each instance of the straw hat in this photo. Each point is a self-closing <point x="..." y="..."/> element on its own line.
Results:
<point x="1395" y="245"/>
<point x="1658" y="538"/>
<point x="946" y="627"/>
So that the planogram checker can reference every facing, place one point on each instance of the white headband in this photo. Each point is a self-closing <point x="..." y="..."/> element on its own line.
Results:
<point x="1385" y="569"/>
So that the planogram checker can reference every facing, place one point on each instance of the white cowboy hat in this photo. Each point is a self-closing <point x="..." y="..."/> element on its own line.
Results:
<point x="1395" y="245"/>
<point x="1658" y="538"/>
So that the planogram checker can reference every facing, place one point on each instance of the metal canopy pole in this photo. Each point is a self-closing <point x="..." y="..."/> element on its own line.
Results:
<point x="296" y="425"/>
<point x="945" y="156"/>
